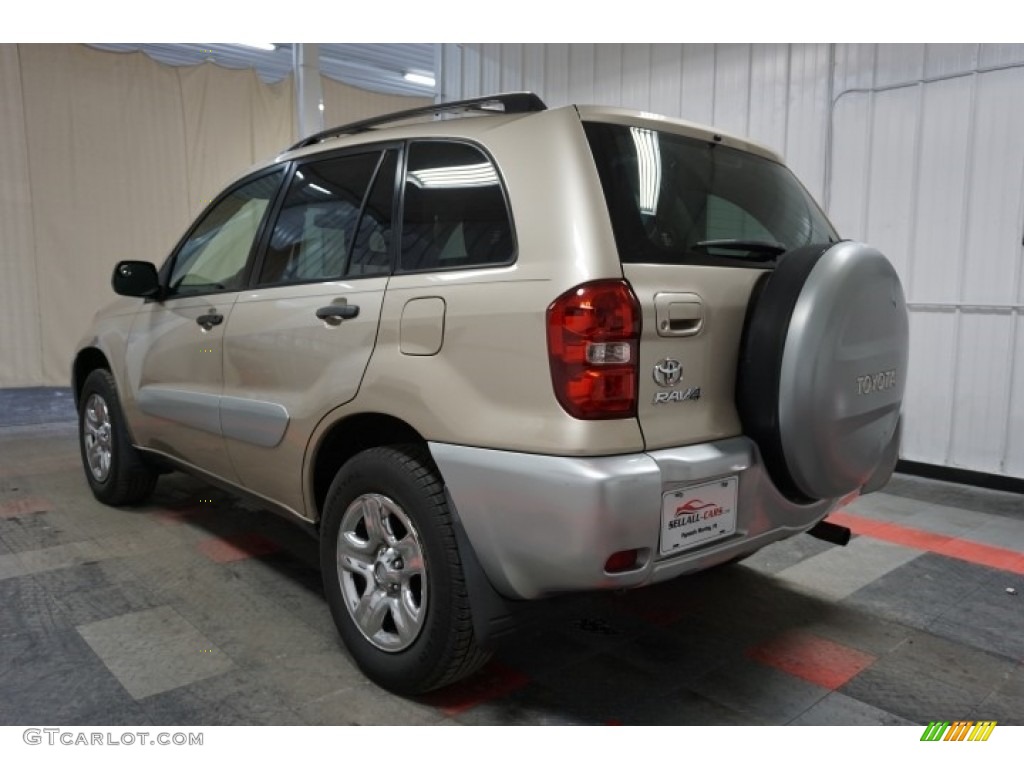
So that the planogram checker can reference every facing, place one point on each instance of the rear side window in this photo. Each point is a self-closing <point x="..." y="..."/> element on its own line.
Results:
<point x="371" y="254"/>
<point x="674" y="199"/>
<point x="454" y="210"/>
<point x="314" y="233"/>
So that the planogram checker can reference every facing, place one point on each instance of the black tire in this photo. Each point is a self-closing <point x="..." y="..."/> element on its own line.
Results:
<point x="419" y="635"/>
<point x="125" y="478"/>
<point x="757" y="373"/>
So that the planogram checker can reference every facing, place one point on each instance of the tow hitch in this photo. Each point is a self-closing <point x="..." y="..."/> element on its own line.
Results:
<point x="832" y="533"/>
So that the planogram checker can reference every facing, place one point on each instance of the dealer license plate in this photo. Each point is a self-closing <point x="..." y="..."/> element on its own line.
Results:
<point x="696" y="515"/>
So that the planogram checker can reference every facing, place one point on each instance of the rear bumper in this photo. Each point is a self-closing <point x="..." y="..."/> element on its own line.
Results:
<point x="541" y="525"/>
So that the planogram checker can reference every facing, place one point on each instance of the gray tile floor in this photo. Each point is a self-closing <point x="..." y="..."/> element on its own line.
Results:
<point x="193" y="612"/>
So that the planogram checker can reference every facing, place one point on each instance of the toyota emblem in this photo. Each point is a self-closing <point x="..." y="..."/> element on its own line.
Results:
<point x="668" y="372"/>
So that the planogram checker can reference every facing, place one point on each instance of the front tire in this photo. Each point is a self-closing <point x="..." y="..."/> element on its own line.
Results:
<point x="116" y="472"/>
<point x="392" y="572"/>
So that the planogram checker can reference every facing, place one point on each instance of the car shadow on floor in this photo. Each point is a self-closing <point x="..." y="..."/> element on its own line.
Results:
<point x="685" y="651"/>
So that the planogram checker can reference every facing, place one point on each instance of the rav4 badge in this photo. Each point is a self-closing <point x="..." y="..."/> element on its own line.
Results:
<point x="677" y="395"/>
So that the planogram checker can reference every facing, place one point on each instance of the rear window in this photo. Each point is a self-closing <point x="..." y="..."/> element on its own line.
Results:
<point x="674" y="199"/>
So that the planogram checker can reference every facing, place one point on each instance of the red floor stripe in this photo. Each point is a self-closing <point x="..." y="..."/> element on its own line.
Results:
<point x="180" y="514"/>
<point x="28" y="506"/>
<point x="232" y="548"/>
<point x="494" y="681"/>
<point x="812" y="658"/>
<point x="949" y="546"/>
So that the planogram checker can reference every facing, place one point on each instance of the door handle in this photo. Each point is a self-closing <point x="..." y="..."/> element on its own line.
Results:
<point x="209" y="320"/>
<point x="338" y="312"/>
<point x="678" y="314"/>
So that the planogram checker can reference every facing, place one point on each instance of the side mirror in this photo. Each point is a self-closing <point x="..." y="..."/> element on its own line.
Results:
<point x="135" y="278"/>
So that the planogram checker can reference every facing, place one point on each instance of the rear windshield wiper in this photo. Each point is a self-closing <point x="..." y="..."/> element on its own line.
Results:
<point x="761" y="250"/>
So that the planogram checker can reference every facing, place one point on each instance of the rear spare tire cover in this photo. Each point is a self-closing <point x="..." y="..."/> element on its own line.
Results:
<point x="822" y="368"/>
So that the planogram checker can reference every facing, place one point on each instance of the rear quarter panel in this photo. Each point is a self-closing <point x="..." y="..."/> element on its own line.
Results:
<point x="490" y="384"/>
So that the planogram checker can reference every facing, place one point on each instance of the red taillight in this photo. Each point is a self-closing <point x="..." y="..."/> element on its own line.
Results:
<point x="593" y="336"/>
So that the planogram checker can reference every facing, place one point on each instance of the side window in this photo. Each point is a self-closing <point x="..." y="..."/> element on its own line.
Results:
<point x="454" y="212"/>
<point x="371" y="254"/>
<point x="313" y="235"/>
<point x="216" y="253"/>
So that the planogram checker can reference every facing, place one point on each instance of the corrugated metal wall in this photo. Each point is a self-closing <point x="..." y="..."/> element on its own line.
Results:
<point x="778" y="94"/>
<point x="917" y="149"/>
<point x="928" y="164"/>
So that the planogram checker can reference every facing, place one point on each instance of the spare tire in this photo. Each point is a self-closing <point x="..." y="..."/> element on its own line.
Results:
<point x="822" y="368"/>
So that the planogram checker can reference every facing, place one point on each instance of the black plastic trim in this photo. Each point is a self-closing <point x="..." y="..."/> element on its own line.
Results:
<point x="493" y="615"/>
<point x="512" y="103"/>
<point x="172" y="463"/>
<point x="759" y="366"/>
<point x="961" y="476"/>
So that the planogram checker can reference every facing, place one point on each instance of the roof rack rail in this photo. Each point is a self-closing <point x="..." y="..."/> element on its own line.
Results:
<point x="511" y="103"/>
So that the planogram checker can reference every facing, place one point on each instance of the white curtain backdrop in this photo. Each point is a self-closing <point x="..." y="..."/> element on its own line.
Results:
<point x="107" y="156"/>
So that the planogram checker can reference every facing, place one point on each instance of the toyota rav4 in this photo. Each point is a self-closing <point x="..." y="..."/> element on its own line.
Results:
<point x="505" y="355"/>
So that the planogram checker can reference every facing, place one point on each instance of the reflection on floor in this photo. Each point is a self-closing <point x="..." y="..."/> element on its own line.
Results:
<point x="198" y="609"/>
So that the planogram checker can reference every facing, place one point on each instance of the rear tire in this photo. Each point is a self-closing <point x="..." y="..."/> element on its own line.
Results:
<point x="117" y="473"/>
<point x="392" y="572"/>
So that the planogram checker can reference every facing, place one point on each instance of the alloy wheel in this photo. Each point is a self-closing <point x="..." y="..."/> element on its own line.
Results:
<point x="382" y="572"/>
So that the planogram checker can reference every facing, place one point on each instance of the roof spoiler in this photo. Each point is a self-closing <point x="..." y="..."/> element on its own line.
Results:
<point x="508" y="103"/>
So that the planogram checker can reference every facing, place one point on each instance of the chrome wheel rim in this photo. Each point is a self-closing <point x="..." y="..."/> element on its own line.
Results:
<point x="382" y="572"/>
<point x="97" y="437"/>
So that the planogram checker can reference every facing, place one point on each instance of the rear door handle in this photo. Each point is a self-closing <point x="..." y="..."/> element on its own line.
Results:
<point x="209" y="320"/>
<point x="678" y="314"/>
<point x="338" y="312"/>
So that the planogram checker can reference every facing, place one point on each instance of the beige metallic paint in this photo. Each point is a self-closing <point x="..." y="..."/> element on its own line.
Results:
<point x="315" y="366"/>
<point x="708" y="357"/>
<point x="422" y="327"/>
<point x="108" y="334"/>
<point x="489" y="384"/>
<point x="168" y="349"/>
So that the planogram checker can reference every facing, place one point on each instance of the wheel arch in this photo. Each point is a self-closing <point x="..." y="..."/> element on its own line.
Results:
<point x="493" y="615"/>
<point x="344" y="439"/>
<point x="86" y="361"/>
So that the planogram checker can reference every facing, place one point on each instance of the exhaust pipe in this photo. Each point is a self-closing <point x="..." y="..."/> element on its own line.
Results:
<point x="832" y="533"/>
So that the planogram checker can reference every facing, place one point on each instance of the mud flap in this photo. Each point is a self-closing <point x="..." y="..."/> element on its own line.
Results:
<point x="494" y="616"/>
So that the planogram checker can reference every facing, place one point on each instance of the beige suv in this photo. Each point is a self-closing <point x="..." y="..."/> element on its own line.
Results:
<point x="504" y="356"/>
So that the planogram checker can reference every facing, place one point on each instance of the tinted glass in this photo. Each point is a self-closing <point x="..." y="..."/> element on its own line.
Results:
<point x="371" y="254"/>
<point x="313" y="234"/>
<point x="454" y="212"/>
<point x="674" y="199"/>
<point x="216" y="253"/>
